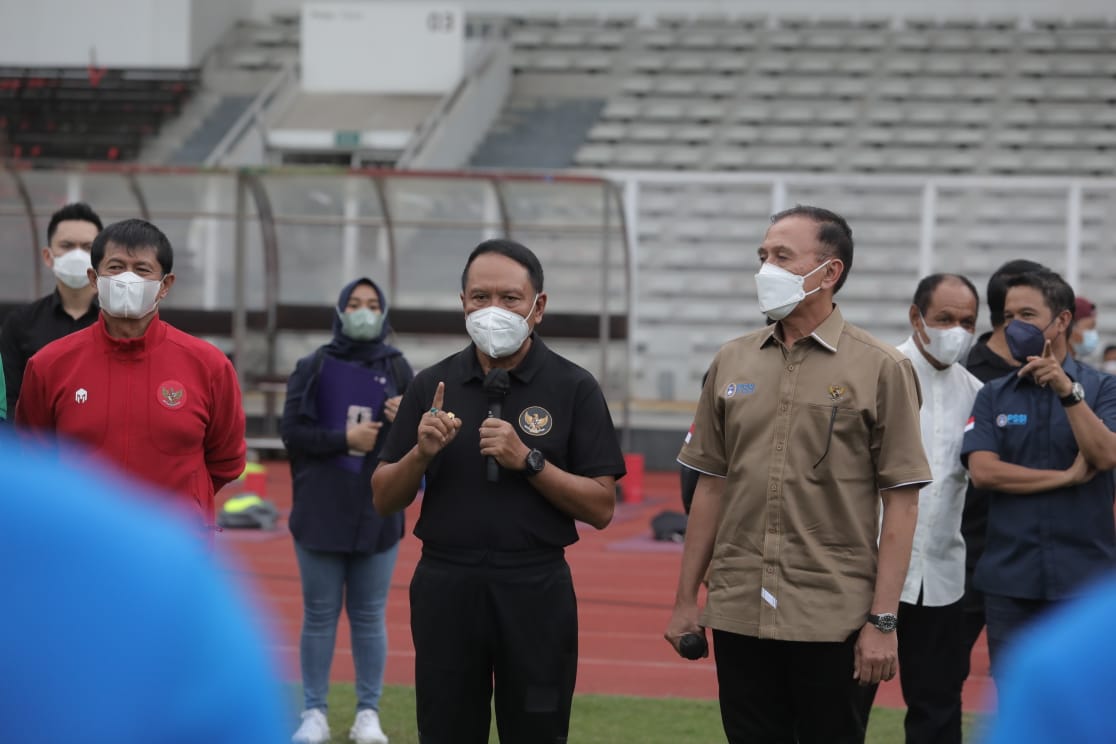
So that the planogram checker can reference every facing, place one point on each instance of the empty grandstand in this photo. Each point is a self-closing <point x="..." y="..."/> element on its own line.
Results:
<point x="953" y="138"/>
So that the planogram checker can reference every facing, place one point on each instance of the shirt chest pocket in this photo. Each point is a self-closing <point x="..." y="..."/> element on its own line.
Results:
<point x="834" y="439"/>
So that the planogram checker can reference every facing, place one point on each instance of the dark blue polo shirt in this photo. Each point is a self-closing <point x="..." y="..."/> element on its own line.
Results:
<point x="1042" y="545"/>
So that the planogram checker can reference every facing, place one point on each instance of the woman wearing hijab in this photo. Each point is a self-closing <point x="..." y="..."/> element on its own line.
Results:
<point x="340" y="402"/>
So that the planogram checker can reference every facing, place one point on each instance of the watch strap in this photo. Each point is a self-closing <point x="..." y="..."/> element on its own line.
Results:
<point x="1077" y="395"/>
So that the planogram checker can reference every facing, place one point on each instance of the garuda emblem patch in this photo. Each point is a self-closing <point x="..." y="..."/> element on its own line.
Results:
<point x="172" y="394"/>
<point x="535" y="420"/>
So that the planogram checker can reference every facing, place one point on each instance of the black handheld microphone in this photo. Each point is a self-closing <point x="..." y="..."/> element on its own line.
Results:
<point x="692" y="646"/>
<point x="496" y="384"/>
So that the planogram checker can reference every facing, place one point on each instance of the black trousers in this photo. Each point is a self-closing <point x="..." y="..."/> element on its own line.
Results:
<point x="972" y="623"/>
<point x="481" y="628"/>
<point x="930" y="640"/>
<point x="1006" y="616"/>
<point x="972" y="609"/>
<point x="783" y="692"/>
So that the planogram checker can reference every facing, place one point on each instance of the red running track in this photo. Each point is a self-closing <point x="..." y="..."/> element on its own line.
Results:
<point x="625" y="587"/>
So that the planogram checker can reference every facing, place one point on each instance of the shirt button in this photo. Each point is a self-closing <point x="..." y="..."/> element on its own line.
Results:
<point x="772" y="530"/>
<point x="790" y="368"/>
<point x="779" y="447"/>
<point x="770" y="569"/>
<point x="774" y="487"/>
<point x="783" y="408"/>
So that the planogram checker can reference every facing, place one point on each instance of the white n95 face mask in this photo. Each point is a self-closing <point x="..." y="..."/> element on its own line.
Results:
<point x="496" y="331"/>
<point x="779" y="291"/>
<point x="947" y="345"/>
<point x="71" y="268"/>
<point x="128" y="295"/>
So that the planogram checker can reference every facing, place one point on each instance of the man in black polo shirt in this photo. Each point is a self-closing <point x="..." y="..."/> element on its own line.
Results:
<point x="1043" y="441"/>
<point x="988" y="359"/>
<point x="491" y="599"/>
<point x="72" y="305"/>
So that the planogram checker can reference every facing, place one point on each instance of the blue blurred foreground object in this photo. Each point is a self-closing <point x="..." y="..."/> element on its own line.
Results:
<point x="1059" y="679"/>
<point x="117" y="625"/>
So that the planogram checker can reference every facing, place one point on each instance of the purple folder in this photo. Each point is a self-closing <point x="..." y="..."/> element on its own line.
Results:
<point x="349" y="394"/>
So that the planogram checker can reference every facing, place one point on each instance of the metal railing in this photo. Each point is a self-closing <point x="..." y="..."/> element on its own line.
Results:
<point x="261" y="252"/>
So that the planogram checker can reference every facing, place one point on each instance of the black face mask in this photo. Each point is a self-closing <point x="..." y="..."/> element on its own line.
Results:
<point x="1025" y="340"/>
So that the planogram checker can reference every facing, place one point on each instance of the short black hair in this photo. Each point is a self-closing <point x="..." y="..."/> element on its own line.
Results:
<point x="833" y="232"/>
<point x="1056" y="292"/>
<point x="517" y="252"/>
<point x="998" y="286"/>
<point x="130" y="235"/>
<point x="924" y="292"/>
<point x="78" y="211"/>
<point x="1110" y="347"/>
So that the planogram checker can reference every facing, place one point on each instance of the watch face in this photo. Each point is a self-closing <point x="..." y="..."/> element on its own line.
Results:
<point x="535" y="462"/>
<point x="1078" y="391"/>
<point x="886" y="621"/>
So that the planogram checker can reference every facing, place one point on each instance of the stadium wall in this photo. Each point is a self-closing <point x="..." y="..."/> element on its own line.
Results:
<point x="983" y="9"/>
<point x="174" y="34"/>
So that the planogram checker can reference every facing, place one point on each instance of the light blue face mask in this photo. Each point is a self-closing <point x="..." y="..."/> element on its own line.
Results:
<point x="1090" y="340"/>
<point x="361" y="324"/>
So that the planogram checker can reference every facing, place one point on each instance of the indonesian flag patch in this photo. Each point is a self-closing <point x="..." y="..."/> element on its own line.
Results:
<point x="970" y="424"/>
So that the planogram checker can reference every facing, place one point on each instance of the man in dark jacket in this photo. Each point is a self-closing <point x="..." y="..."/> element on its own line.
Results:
<point x="988" y="360"/>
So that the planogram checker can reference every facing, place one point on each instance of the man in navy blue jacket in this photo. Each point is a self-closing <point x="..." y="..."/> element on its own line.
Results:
<point x="1043" y="440"/>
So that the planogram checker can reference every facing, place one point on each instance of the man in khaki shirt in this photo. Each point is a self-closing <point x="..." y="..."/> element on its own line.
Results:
<point x="802" y="430"/>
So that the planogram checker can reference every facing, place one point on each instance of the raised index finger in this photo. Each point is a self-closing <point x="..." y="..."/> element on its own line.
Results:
<point x="439" y="395"/>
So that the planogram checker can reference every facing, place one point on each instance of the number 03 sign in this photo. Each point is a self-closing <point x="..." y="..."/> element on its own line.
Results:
<point x="382" y="47"/>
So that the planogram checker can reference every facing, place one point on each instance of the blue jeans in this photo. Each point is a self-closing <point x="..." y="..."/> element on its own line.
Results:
<point x="362" y="580"/>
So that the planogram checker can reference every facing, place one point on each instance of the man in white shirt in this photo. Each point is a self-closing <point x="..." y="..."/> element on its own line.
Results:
<point x="943" y="318"/>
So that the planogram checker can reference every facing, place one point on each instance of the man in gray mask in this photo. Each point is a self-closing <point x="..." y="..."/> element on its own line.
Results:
<point x="70" y="307"/>
<point x="802" y="428"/>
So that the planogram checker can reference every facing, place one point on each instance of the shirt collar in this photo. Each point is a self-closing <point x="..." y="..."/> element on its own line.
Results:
<point x="152" y="337"/>
<point x="469" y="367"/>
<point x="56" y="305"/>
<point x="826" y="335"/>
<point x="919" y="360"/>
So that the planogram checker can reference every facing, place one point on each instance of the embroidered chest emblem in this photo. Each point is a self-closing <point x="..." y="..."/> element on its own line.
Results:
<point x="741" y="388"/>
<point x="81" y="395"/>
<point x="172" y="394"/>
<point x="836" y="392"/>
<point x="535" y="420"/>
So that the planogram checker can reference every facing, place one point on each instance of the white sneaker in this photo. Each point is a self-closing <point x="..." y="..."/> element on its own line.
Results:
<point x="314" y="728"/>
<point x="366" y="728"/>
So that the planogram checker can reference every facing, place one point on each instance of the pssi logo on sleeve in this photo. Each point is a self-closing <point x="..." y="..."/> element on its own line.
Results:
<point x="739" y="388"/>
<point x="1011" y="419"/>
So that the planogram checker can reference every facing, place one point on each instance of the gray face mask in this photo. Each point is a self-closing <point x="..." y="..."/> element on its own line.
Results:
<point x="362" y="324"/>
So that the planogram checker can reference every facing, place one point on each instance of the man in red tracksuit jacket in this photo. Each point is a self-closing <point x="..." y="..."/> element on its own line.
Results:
<point x="157" y="402"/>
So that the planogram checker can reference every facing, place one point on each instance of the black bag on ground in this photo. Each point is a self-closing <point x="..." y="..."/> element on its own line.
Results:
<point x="669" y="526"/>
